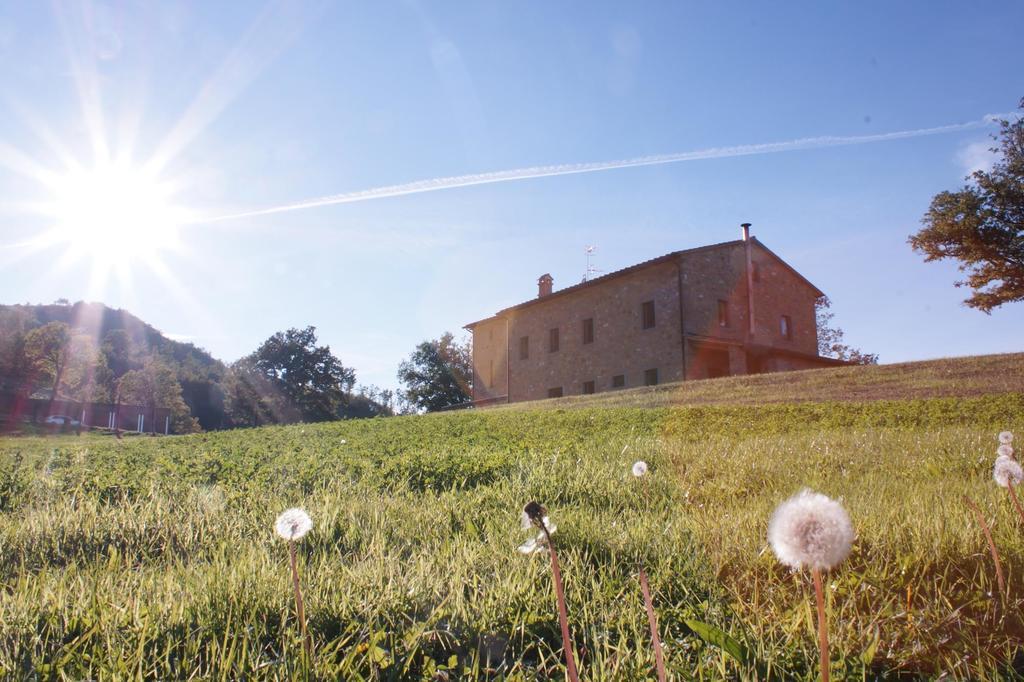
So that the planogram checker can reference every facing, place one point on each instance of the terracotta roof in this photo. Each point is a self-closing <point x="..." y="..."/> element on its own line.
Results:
<point x="668" y="257"/>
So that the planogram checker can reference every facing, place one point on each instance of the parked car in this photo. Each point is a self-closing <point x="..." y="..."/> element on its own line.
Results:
<point x="62" y="420"/>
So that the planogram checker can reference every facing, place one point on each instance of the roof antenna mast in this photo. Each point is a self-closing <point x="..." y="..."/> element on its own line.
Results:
<point x="591" y="270"/>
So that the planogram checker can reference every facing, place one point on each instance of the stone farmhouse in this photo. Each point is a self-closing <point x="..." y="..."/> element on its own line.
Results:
<point x="712" y="311"/>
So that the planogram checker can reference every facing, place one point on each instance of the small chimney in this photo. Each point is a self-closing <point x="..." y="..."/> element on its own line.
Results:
<point x="746" y="231"/>
<point x="544" y="285"/>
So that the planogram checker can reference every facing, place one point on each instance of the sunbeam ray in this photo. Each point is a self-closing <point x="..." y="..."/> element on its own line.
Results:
<point x="271" y="32"/>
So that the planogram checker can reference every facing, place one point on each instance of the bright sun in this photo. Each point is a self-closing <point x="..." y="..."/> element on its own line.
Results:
<point x="114" y="214"/>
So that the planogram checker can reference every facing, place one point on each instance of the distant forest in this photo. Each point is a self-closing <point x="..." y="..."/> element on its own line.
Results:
<point x="88" y="352"/>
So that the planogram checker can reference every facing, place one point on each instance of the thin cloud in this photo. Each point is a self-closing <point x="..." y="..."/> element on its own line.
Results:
<point x="452" y="182"/>
<point x="977" y="156"/>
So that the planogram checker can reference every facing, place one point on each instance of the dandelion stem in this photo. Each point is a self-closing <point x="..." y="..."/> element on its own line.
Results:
<point x="301" y="613"/>
<point x="652" y="618"/>
<point x="991" y="545"/>
<point x="1016" y="502"/>
<point x="819" y="594"/>
<point x="563" y="614"/>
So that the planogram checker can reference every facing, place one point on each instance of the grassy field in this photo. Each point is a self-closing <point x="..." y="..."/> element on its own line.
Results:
<point x="155" y="557"/>
<point x="949" y="377"/>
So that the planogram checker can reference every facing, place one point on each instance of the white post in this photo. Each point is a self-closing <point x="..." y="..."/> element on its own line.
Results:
<point x="167" y="425"/>
<point x="83" y="417"/>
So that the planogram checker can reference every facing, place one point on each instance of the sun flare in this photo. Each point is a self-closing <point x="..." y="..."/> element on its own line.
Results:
<point x="114" y="214"/>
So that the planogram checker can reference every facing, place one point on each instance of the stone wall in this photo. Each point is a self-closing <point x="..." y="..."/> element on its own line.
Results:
<point x="620" y="347"/>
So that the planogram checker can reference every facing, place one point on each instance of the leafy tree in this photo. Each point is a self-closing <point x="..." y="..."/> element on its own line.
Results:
<point x="300" y="380"/>
<point x="247" y="395"/>
<point x="982" y="225"/>
<point x="155" y="385"/>
<point x="830" y="339"/>
<point x="49" y="348"/>
<point x="83" y="376"/>
<point x="438" y="374"/>
<point x="120" y="352"/>
<point x="16" y="365"/>
<point x="370" y="401"/>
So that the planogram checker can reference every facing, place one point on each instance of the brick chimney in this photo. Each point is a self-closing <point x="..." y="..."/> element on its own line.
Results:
<point x="544" y="285"/>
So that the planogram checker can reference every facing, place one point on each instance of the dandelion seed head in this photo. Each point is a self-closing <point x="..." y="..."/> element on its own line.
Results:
<point x="535" y="513"/>
<point x="1007" y="471"/>
<point x="812" y="530"/>
<point x="639" y="468"/>
<point x="1006" y="437"/>
<point x="1005" y="450"/>
<point x="535" y="545"/>
<point x="293" y="523"/>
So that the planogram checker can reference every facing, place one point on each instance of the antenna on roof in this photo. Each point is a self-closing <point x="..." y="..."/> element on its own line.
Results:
<point x="591" y="270"/>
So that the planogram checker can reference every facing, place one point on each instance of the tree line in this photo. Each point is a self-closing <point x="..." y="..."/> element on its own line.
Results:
<point x="88" y="353"/>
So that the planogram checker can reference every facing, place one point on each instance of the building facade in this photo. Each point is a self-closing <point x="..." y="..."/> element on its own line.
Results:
<point x="719" y="310"/>
<point x="16" y="408"/>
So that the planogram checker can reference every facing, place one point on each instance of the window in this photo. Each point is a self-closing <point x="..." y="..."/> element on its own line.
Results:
<point x="588" y="330"/>
<point x="786" y="327"/>
<point x="553" y="340"/>
<point x="524" y="347"/>
<point x="555" y="392"/>
<point x="650" y="377"/>
<point x="618" y="381"/>
<point x="755" y="272"/>
<point x="723" y="313"/>
<point x="588" y="387"/>
<point x="647" y="311"/>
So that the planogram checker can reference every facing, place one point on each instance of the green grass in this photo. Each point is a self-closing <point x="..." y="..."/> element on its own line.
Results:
<point x="155" y="557"/>
<point x="947" y="378"/>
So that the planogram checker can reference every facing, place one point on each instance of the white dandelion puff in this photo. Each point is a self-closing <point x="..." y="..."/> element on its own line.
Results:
<point x="537" y="545"/>
<point x="812" y="530"/>
<point x="1007" y="471"/>
<point x="1005" y="450"/>
<point x="1006" y="437"/>
<point x="292" y="524"/>
<point x="534" y="515"/>
<point x="639" y="468"/>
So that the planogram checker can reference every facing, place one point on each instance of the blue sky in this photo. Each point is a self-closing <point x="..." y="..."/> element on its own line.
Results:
<point x="250" y="107"/>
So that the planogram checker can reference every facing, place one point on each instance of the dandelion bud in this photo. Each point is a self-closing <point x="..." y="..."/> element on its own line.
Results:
<point x="292" y="524"/>
<point x="639" y="468"/>
<point x="1005" y="450"/>
<point x="810" y="529"/>
<point x="1006" y="437"/>
<point x="1007" y="471"/>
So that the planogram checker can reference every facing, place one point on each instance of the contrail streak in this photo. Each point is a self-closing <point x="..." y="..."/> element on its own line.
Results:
<point x="451" y="182"/>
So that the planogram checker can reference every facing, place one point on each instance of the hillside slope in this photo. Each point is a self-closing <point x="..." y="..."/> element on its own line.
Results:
<point x="946" y="378"/>
<point x="198" y="372"/>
